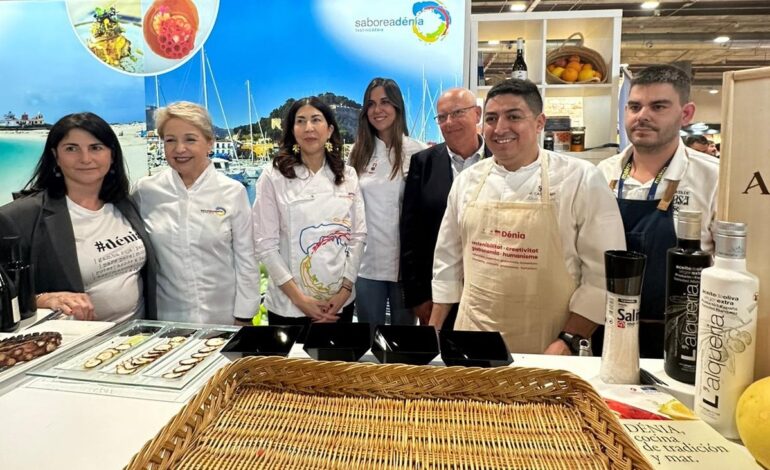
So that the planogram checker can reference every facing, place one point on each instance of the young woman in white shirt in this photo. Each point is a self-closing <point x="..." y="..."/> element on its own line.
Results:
<point x="199" y="221"/>
<point x="381" y="159"/>
<point x="309" y="224"/>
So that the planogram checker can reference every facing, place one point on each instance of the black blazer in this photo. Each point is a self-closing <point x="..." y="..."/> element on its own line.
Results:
<point x="44" y="227"/>
<point x="425" y="196"/>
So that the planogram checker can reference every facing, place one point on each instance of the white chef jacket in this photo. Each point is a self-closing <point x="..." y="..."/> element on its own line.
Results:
<point x="207" y="267"/>
<point x="274" y="194"/>
<point x="588" y="216"/>
<point x="698" y="175"/>
<point x="383" y="197"/>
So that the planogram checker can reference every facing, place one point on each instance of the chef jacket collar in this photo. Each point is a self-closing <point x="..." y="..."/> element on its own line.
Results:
<point x="676" y="168"/>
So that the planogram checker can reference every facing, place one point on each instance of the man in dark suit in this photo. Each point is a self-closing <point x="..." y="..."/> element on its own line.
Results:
<point x="431" y="173"/>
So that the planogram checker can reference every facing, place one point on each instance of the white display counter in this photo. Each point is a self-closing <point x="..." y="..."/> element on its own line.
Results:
<point x="89" y="429"/>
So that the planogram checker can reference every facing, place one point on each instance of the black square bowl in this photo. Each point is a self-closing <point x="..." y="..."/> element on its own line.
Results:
<point x="405" y="344"/>
<point x="474" y="349"/>
<point x="338" y="341"/>
<point x="273" y="340"/>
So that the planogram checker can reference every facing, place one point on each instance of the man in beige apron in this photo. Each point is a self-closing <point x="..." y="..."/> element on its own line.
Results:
<point x="527" y="254"/>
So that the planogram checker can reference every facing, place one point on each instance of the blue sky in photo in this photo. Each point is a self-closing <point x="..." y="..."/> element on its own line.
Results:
<point x="44" y="68"/>
<point x="285" y="50"/>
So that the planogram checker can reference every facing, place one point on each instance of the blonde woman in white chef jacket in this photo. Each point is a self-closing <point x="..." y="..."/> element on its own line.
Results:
<point x="199" y="221"/>
<point x="381" y="159"/>
<point x="309" y="225"/>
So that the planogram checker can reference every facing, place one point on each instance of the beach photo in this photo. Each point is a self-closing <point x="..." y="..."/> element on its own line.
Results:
<point x="50" y="82"/>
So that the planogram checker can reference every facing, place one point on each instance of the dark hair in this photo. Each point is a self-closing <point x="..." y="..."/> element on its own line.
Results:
<point x="44" y="178"/>
<point x="696" y="138"/>
<point x="285" y="160"/>
<point x="524" y="88"/>
<point x="665" y="73"/>
<point x="364" y="148"/>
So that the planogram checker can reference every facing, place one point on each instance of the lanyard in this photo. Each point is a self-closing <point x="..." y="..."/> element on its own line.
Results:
<point x="653" y="187"/>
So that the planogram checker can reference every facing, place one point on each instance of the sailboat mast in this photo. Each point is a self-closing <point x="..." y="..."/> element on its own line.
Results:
<point x="203" y="79"/>
<point x="157" y="93"/>
<point x="251" y="131"/>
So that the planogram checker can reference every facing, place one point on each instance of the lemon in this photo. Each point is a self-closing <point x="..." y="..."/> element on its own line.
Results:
<point x="585" y="75"/>
<point x="676" y="410"/>
<point x="752" y="416"/>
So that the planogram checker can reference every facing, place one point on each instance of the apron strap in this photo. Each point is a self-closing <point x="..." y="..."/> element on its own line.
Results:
<point x="481" y="184"/>
<point x="668" y="197"/>
<point x="545" y="184"/>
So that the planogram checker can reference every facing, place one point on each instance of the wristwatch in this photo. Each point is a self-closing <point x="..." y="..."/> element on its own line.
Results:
<point x="572" y="340"/>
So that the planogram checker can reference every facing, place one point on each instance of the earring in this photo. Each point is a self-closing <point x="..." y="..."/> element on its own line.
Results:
<point x="328" y="146"/>
<point x="295" y="149"/>
<point x="57" y="171"/>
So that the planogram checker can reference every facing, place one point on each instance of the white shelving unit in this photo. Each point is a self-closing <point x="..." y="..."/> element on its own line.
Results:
<point x="541" y="31"/>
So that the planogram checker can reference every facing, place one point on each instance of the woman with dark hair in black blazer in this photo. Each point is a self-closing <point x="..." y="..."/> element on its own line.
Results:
<point x="79" y="229"/>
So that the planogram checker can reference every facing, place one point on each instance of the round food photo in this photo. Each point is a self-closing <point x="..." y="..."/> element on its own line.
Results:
<point x="143" y="37"/>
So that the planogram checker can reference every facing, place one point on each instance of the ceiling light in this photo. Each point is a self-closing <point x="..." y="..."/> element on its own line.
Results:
<point x="713" y="91"/>
<point x="493" y="42"/>
<point x="518" y="6"/>
<point x="721" y="39"/>
<point x="699" y="126"/>
<point x="650" y="5"/>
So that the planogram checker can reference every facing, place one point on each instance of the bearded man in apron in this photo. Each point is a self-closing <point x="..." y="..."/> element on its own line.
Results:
<point x="655" y="177"/>
<point x="523" y="237"/>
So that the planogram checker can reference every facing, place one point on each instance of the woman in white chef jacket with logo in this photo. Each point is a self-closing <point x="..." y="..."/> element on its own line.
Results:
<point x="309" y="225"/>
<point x="199" y="221"/>
<point x="381" y="157"/>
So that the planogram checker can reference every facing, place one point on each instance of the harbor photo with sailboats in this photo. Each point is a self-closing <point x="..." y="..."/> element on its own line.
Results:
<point x="248" y="80"/>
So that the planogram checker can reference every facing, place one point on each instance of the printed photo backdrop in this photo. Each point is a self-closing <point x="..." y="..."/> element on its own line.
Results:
<point x="257" y="57"/>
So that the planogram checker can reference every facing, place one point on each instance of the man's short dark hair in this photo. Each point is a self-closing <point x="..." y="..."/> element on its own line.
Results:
<point x="665" y="73"/>
<point x="524" y="88"/>
<point x="696" y="138"/>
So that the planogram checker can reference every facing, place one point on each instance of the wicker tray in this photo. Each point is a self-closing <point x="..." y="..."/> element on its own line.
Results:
<point x="267" y="412"/>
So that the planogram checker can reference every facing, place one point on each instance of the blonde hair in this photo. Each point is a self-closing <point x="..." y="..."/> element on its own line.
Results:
<point x="191" y="113"/>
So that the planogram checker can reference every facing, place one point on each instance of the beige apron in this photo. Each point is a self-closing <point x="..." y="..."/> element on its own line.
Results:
<point x="516" y="280"/>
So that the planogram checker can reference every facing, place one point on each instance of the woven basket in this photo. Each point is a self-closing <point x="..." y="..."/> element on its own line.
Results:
<point x="268" y="412"/>
<point x="586" y="55"/>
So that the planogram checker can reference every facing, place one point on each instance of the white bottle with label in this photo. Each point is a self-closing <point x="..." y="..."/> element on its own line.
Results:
<point x="727" y="330"/>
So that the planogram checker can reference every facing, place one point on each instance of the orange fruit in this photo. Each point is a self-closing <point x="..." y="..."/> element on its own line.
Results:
<point x="569" y="75"/>
<point x="574" y="58"/>
<point x="574" y="65"/>
<point x="551" y="67"/>
<point x="558" y="71"/>
<point x="597" y="74"/>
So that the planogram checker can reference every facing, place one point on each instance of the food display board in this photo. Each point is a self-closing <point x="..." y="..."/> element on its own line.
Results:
<point x="143" y="353"/>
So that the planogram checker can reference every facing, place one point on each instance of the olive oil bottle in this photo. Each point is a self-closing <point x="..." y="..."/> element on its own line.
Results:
<point x="727" y="331"/>
<point x="684" y="264"/>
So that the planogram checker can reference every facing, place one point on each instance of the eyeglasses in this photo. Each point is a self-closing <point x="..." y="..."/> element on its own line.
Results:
<point x="456" y="114"/>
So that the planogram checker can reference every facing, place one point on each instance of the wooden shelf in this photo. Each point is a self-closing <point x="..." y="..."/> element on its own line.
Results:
<point x="541" y="31"/>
